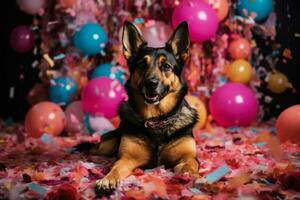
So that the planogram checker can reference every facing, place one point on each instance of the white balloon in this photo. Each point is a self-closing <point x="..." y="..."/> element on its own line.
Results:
<point x="100" y="124"/>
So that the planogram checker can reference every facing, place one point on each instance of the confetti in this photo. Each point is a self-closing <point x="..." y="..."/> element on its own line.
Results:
<point x="217" y="174"/>
<point x="49" y="60"/>
<point x="250" y="165"/>
<point x="35" y="64"/>
<point x="59" y="56"/>
<point x="239" y="180"/>
<point x="11" y="92"/>
<point x="37" y="188"/>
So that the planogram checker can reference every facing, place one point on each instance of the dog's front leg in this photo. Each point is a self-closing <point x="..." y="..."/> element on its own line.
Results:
<point x="133" y="153"/>
<point x="181" y="154"/>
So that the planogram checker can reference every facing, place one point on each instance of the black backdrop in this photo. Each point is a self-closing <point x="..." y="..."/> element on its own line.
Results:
<point x="14" y="65"/>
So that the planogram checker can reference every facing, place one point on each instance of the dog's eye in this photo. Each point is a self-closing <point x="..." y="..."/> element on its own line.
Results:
<point x="166" y="67"/>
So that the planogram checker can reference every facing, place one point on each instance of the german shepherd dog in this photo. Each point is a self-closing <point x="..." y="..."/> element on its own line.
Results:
<point x="156" y="122"/>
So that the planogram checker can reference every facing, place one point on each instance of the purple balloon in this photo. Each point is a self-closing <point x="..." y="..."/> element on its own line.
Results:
<point x="201" y="18"/>
<point x="74" y="117"/>
<point x="233" y="104"/>
<point x="22" y="39"/>
<point x="102" y="97"/>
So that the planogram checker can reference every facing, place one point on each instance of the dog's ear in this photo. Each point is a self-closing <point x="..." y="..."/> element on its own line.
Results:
<point x="132" y="40"/>
<point x="179" y="42"/>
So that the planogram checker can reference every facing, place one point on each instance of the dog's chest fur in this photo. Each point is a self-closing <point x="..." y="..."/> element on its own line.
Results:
<point x="160" y="129"/>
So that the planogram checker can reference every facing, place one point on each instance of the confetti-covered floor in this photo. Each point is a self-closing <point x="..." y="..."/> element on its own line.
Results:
<point x="236" y="163"/>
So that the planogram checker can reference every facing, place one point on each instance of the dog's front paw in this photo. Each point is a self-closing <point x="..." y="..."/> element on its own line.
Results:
<point x="106" y="185"/>
<point x="186" y="168"/>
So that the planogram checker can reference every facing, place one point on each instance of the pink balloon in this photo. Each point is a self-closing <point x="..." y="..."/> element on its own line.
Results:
<point x="102" y="97"/>
<point x="31" y="6"/>
<point x="74" y="117"/>
<point x="157" y="33"/>
<point x="22" y="39"/>
<point x="201" y="17"/>
<point x="233" y="104"/>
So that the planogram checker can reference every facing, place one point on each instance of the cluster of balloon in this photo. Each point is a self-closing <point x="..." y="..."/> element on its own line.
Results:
<point x="44" y="117"/>
<point x="74" y="117"/>
<point x="197" y="14"/>
<point x="31" y="6"/>
<point x="22" y="39"/>
<point x="111" y="71"/>
<point x="259" y="10"/>
<point x="102" y="97"/>
<point x="198" y="105"/>
<point x="233" y="104"/>
<point x="90" y="39"/>
<point x="156" y="33"/>
<point x="287" y="125"/>
<point x="278" y="83"/>
<point x="240" y="71"/>
<point x="62" y="90"/>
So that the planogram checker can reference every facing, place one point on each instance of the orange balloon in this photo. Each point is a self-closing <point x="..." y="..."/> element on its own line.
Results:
<point x="223" y="10"/>
<point x="240" y="49"/>
<point x="288" y="125"/>
<point x="221" y="6"/>
<point x="44" y="117"/>
<point x="240" y="71"/>
<point x="278" y="82"/>
<point x="198" y="105"/>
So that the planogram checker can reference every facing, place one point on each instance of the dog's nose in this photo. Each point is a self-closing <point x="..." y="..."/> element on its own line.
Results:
<point x="151" y="82"/>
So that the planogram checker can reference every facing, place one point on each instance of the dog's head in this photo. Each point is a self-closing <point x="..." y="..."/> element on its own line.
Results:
<point x="155" y="72"/>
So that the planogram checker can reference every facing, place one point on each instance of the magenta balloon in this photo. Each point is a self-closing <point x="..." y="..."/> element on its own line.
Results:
<point x="157" y="34"/>
<point x="201" y="17"/>
<point x="74" y="117"/>
<point x="233" y="104"/>
<point x="22" y="39"/>
<point x="102" y="97"/>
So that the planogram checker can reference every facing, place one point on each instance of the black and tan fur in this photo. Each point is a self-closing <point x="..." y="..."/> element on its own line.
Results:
<point x="156" y="122"/>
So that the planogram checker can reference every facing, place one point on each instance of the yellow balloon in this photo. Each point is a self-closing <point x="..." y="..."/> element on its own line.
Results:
<point x="198" y="105"/>
<point x="240" y="71"/>
<point x="278" y="82"/>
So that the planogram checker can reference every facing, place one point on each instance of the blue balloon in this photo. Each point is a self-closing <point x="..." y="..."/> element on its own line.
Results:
<point x="62" y="90"/>
<point x="262" y="8"/>
<point x="110" y="71"/>
<point x="90" y="39"/>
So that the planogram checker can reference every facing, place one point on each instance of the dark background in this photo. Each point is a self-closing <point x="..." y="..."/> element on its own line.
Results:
<point x="14" y="66"/>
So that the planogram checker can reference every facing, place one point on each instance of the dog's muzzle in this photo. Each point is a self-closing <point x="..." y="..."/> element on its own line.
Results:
<point x="151" y="91"/>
